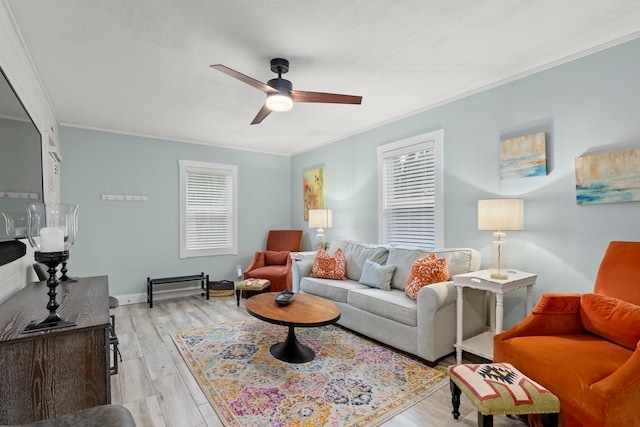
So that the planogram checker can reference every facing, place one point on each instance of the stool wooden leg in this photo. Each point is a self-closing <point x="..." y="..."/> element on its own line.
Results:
<point x="485" y="420"/>
<point x="238" y="297"/>
<point x="455" y="399"/>
<point x="550" y="420"/>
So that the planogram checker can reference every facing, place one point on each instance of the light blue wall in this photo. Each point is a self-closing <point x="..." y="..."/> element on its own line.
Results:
<point x="590" y="102"/>
<point x="132" y="240"/>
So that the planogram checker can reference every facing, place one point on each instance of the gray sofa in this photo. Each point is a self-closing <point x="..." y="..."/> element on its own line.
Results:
<point x="426" y="327"/>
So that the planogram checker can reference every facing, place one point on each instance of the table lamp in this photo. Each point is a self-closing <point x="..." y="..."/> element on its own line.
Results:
<point x="51" y="230"/>
<point x="320" y="219"/>
<point x="500" y="215"/>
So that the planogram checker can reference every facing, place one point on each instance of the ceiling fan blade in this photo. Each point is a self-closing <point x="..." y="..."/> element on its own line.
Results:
<point x="329" y="98"/>
<point x="244" y="78"/>
<point x="264" y="112"/>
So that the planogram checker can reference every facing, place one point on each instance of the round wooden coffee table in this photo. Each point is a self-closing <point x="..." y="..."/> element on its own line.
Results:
<point x="306" y="311"/>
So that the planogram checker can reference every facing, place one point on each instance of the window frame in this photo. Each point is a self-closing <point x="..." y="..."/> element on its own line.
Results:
<point x="427" y="141"/>
<point x="186" y="166"/>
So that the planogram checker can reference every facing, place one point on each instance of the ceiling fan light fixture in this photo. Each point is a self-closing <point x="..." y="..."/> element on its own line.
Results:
<point x="279" y="102"/>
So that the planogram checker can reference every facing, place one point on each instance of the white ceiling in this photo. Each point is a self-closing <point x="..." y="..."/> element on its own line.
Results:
<point x="142" y="66"/>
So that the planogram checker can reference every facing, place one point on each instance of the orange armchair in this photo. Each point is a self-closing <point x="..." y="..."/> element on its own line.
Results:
<point x="274" y="264"/>
<point x="586" y="348"/>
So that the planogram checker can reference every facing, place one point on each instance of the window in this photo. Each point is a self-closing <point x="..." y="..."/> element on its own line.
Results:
<point x="208" y="209"/>
<point x="410" y="211"/>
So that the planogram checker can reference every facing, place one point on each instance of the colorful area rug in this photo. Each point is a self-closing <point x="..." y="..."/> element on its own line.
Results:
<point x="351" y="382"/>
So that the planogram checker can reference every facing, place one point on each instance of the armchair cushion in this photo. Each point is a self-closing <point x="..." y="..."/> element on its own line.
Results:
<point x="275" y="257"/>
<point x="611" y="318"/>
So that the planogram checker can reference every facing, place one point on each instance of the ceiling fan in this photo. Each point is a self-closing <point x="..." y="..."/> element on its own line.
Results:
<point x="280" y="93"/>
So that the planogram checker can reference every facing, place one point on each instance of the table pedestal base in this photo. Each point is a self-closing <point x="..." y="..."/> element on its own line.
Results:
<point x="291" y="350"/>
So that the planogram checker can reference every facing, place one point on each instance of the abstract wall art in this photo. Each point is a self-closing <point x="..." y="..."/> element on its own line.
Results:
<point x="523" y="156"/>
<point x="610" y="177"/>
<point x="314" y="190"/>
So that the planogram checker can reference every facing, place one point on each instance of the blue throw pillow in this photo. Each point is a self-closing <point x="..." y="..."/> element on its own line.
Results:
<point x="376" y="275"/>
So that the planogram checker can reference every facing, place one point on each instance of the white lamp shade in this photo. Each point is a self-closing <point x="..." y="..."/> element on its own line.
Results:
<point x="320" y="218"/>
<point x="501" y="214"/>
<point x="279" y="102"/>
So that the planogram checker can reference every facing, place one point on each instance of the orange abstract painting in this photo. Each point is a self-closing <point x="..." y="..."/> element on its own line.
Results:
<point x="314" y="190"/>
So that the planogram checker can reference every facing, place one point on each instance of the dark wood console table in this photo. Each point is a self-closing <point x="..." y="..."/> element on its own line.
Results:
<point x="49" y="373"/>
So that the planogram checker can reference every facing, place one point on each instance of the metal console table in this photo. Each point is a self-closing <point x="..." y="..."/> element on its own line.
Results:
<point x="202" y="278"/>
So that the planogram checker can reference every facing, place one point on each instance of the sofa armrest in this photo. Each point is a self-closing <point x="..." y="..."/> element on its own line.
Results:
<point x="300" y="269"/>
<point x="435" y="296"/>
<point x="555" y="314"/>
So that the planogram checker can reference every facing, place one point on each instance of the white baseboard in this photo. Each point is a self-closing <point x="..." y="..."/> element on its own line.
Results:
<point x="132" y="298"/>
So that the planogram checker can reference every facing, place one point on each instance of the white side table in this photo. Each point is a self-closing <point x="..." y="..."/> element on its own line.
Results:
<point x="482" y="344"/>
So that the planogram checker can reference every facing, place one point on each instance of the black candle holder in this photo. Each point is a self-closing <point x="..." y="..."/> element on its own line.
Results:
<point x="64" y="277"/>
<point x="53" y="320"/>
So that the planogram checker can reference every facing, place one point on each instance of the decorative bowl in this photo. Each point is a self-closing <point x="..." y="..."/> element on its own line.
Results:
<point x="284" y="298"/>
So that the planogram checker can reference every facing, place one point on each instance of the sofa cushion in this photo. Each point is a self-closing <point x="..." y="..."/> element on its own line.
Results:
<point x="403" y="259"/>
<point x="392" y="304"/>
<point x="460" y="260"/>
<point x="611" y="318"/>
<point x="335" y="290"/>
<point x="377" y="276"/>
<point x="357" y="253"/>
<point x="275" y="257"/>
<point x="424" y="272"/>
<point x="327" y="267"/>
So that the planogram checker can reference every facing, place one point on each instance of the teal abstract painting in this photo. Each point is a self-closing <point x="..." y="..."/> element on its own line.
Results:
<point x="523" y="156"/>
<point x="611" y="177"/>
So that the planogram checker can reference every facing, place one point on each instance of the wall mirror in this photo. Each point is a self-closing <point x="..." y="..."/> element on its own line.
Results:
<point x="20" y="158"/>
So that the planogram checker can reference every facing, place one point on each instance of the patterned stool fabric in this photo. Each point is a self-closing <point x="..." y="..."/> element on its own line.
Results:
<point x="499" y="388"/>
<point x="258" y="285"/>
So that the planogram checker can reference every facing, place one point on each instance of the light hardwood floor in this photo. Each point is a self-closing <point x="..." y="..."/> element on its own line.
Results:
<point x="154" y="383"/>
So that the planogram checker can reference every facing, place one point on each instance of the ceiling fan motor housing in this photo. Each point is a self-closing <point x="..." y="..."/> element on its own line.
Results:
<point x="279" y="66"/>
<point x="280" y="84"/>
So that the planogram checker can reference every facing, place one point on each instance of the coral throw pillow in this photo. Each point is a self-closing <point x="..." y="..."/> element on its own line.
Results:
<point x="326" y="267"/>
<point x="426" y="271"/>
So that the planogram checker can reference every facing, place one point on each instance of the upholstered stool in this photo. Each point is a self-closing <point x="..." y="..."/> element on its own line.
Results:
<point x="257" y="285"/>
<point x="499" y="388"/>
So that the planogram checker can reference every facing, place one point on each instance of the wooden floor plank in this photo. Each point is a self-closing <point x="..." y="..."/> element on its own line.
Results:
<point x="177" y="404"/>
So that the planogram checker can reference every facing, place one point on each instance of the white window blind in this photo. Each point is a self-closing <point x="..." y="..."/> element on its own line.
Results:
<point x="410" y="183"/>
<point x="208" y="214"/>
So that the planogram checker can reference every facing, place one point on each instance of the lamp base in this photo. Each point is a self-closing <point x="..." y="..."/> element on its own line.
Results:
<point x="499" y="276"/>
<point x="51" y="324"/>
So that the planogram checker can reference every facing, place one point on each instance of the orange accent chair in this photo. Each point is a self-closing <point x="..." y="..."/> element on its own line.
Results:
<point x="586" y="348"/>
<point x="274" y="264"/>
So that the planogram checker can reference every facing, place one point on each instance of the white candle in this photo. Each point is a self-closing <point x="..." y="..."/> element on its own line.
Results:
<point x="51" y="239"/>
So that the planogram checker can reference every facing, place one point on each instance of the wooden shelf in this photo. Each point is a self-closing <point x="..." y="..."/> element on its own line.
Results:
<point x="481" y="345"/>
